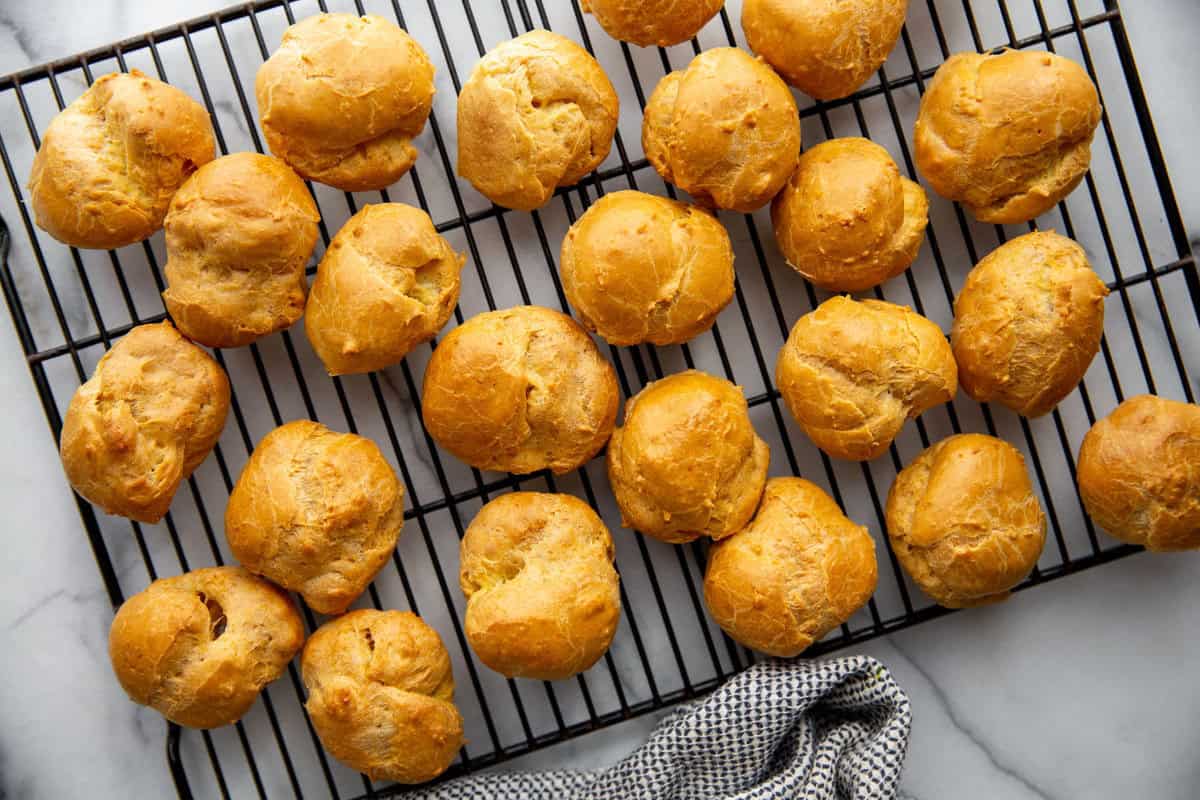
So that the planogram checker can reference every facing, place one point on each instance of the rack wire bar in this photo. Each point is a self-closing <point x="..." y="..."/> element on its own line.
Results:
<point x="69" y="306"/>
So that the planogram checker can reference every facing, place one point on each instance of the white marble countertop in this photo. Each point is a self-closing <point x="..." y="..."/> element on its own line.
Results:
<point x="1083" y="688"/>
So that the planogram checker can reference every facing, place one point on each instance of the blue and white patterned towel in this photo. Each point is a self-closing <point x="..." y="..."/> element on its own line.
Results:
<point x="817" y="730"/>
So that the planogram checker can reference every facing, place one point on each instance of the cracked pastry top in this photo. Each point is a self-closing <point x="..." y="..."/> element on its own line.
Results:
<point x="853" y="372"/>
<point x="1139" y="473"/>
<point x="543" y="599"/>
<point x="799" y="569"/>
<point x="825" y="48"/>
<point x="1028" y="323"/>
<point x="111" y="160"/>
<point x="725" y="130"/>
<point x="847" y="219"/>
<point x="342" y="99"/>
<point x="964" y="522"/>
<point x="199" y="647"/>
<point x="520" y="390"/>
<point x="640" y="268"/>
<point x="317" y="512"/>
<point x="240" y="232"/>
<point x="150" y="413"/>
<point x="536" y="113"/>
<point x="652" y="22"/>
<point x="687" y="462"/>
<point x="1008" y="135"/>
<point x="387" y="282"/>
<point x="381" y="695"/>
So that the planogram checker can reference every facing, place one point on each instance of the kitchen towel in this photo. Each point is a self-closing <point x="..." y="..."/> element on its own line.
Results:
<point x="817" y="730"/>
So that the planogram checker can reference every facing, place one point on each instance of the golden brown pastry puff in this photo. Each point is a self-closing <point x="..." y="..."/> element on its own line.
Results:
<point x="342" y="99"/>
<point x="536" y="113"/>
<point x="725" y="130"/>
<point x="797" y="571"/>
<point x="687" y="462"/>
<point x="199" y="647"/>
<point x="239" y="235"/>
<point x="825" y="48"/>
<point x="110" y="161"/>
<point x="316" y="511"/>
<point x="852" y="373"/>
<point x="1008" y="135"/>
<point x="847" y="219"/>
<point x="381" y="695"/>
<point x="1139" y="473"/>
<point x="387" y="283"/>
<point x="964" y="522"/>
<point x="143" y="422"/>
<point x="1028" y="322"/>
<point x="520" y="390"/>
<point x="641" y="268"/>
<point x="652" y="22"/>
<point x="542" y="594"/>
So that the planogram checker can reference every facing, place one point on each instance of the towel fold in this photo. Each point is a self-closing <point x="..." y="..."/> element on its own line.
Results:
<point x="817" y="730"/>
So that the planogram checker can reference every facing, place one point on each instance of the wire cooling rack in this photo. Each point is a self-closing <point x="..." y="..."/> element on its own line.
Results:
<point x="69" y="306"/>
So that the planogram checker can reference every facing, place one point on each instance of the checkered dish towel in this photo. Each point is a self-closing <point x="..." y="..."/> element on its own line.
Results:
<point x="818" y="730"/>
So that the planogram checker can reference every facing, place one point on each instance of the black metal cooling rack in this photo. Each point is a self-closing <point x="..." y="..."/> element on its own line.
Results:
<point x="68" y="306"/>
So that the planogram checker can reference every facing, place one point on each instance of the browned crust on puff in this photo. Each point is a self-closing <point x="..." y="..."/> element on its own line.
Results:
<point x="342" y="99"/>
<point x="1139" y="473"/>
<point x="387" y="283"/>
<point x="317" y="512"/>
<point x="640" y="268"/>
<point x="825" y="48"/>
<point x="542" y="594"/>
<point x="964" y="521"/>
<point x="381" y="695"/>
<point x="796" y="572"/>
<point x="199" y="647"/>
<point x="1028" y="323"/>
<point x="239" y="236"/>
<point x="652" y="22"/>
<point x="151" y="412"/>
<point x="536" y="113"/>
<point x="520" y="390"/>
<point x="725" y="129"/>
<point x="853" y="372"/>
<point x="111" y="160"/>
<point x="1008" y="135"/>
<point x="687" y="462"/>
